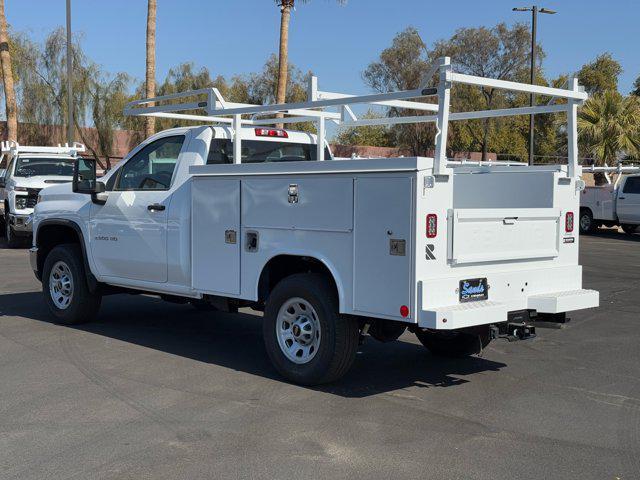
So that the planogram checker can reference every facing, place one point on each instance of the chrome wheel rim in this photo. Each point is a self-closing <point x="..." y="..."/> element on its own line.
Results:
<point x="61" y="285"/>
<point x="298" y="330"/>
<point x="585" y="222"/>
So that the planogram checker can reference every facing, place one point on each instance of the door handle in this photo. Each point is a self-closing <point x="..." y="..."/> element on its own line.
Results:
<point x="620" y="198"/>
<point x="156" y="207"/>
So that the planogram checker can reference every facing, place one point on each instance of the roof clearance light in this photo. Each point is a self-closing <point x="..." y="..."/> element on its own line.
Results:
<point x="568" y="222"/>
<point x="271" y="132"/>
<point x="432" y="225"/>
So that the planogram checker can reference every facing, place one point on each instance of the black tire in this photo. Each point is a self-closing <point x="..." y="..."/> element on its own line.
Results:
<point x="586" y="223"/>
<point x="83" y="305"/>
<point x="338" y="338"/>
<point x="12" y="240"/>
<point x="629" y="229"/>
<point x="454" y="344"/>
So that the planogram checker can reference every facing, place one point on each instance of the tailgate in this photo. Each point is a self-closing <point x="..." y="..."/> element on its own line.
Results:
<point x="495" y="234"/>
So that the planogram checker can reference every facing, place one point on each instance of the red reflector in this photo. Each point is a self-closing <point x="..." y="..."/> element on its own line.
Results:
<point x="432" y="225"/>
<point x="271" y="132"/>
<point x="568" y="222"/>
<point x="404" y="311"/>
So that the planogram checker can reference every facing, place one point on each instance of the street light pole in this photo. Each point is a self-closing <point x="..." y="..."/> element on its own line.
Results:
<point x="69" y="78"/>
<point x="534" y="27"/>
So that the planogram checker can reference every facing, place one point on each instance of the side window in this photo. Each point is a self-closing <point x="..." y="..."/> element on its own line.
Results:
<point x="152" y="167"/>
<point x="632" y="185"/>
<point x="220" y="151"/>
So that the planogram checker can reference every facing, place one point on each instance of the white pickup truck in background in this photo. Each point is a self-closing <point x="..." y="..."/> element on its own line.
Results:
<point x="247" y="215"/>
<point x="29" y="169"/>
<point x="612" y="204"/>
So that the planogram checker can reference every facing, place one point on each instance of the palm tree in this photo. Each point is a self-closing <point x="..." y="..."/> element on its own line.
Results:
<point x="283" y="64"/>
<point x="7" y="78"/>
<point x="609" y="126"/>
<point x="150" y="81"/>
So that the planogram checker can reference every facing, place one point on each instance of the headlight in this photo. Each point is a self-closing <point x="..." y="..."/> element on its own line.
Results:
<point x="21" y="202"/>
<point x="20" y="189"/>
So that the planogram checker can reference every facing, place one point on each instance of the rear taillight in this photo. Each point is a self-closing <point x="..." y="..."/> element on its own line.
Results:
<point x="568" y="222"/>
<point x="271" y="132"/>
<point x="432" y="225"/>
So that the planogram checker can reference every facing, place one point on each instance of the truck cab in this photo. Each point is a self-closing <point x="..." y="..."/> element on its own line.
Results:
<point x="29" y="169"/>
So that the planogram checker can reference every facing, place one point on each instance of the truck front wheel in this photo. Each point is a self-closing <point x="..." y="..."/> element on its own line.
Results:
<point x="306" y="338"/>
<point x="65" y="287"/>
<point x="454" y="344"/>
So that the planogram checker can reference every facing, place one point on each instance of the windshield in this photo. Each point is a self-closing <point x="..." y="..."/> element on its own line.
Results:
<point x="31" y="166"/>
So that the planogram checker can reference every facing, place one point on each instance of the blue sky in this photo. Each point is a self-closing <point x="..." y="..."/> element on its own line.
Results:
<point x="336" y="42"/>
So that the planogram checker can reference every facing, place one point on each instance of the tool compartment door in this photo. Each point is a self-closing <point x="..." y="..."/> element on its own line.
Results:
<point x="216" y="235"/>
<point x="496" y="234"/>
<point x="382" y="244"/>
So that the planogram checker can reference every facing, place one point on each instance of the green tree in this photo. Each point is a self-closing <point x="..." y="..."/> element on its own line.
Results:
<point x="600" y="75"/>
<point x="499" y="52"/>
<point x="373" y="135"/>
<point x="609" y="127"/>
<point x="401" y="67"/>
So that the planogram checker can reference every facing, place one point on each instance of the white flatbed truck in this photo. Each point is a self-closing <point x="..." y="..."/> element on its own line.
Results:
<point x="457" y="252"/>
<point x="614" y="203"/>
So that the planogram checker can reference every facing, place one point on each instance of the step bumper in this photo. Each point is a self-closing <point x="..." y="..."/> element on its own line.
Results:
<point x="472" y="314"/>
<point x="567" y="301"/>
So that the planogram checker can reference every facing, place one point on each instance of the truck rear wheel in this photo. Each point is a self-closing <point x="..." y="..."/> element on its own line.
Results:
<point x="587" y="224"/>
<point x="454" y="344"/>
<point x="306" y="338"/>
<point x="65" y="287"/>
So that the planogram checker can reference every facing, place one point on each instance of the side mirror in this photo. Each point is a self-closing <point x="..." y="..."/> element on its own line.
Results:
<point x="85" y="178"/>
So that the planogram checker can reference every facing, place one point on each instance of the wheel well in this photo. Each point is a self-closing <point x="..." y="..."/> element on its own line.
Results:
<point x="282" y="266"/>
<point x="49" y="236"/>
<point x="586" y="209"/>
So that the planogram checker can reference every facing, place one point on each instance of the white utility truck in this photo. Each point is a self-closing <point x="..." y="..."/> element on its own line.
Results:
<point x="613" y="204"/>
<point x="28" y="170"/>
<point x="234" y="214"/>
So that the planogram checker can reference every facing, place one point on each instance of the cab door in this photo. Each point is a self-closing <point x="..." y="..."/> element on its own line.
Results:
<point x="129" y="232"/>
<point x="628" y="203"/>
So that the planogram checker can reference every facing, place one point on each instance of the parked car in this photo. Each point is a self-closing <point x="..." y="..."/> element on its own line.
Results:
<point x="613" y="204"/>
<point x="29" y="170"/>
<point x="226" y="217"/>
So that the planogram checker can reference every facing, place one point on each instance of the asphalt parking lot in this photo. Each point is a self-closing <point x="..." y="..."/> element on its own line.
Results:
<point x="157" y="390"/>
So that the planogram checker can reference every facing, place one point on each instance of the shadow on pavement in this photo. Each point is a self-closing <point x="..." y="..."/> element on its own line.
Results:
<point x="613" y="234"/>
<point x="235" y="342"/>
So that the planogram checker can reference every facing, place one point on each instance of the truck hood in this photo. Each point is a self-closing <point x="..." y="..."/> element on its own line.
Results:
<point x="41" y="181"/>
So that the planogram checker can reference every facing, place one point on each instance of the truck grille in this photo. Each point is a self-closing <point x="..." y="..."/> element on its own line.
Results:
<point x="32" y="197"/>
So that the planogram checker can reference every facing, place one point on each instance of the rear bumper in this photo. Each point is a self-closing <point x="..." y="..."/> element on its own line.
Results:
<point x="471" y="314"/>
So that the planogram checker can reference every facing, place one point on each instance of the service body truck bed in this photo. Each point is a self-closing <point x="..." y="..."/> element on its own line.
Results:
<point x="329" y="250"/>
<point x="366" y="220"/>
